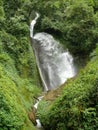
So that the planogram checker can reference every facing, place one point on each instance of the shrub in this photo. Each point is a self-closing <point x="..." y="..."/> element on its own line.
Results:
<point x="77" y="108"/>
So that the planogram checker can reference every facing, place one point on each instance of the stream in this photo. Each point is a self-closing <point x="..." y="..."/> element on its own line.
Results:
<point x="55" y="64"/>
<point x="35" y="106"/>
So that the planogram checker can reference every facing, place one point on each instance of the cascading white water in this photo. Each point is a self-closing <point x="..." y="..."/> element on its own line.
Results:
<point x="54" y="63"/>
<point x="35" y="106"/>
<point x="33" y="22"/>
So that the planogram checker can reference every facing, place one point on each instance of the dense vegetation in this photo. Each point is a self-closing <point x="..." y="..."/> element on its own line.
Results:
<point x="19" y="79"/>
<point x="75" y="24"/>
<point x="77" y="107"/>
<point x="71" y="21"/>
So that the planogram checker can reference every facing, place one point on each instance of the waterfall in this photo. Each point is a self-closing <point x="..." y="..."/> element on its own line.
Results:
<point x="32" y="25"/>
<point x="54" y="63"/>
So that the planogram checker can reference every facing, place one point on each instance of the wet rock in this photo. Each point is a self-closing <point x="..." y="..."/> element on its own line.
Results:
<point x="32" y="116"/>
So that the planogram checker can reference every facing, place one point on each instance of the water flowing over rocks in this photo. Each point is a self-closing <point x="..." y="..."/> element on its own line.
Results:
<point x="55" y="64"/>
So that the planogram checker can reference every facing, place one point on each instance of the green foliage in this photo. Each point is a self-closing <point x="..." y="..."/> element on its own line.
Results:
<point x="72" y="21"/>
<point x="10" y="117"/>
<point x="1" y="12"/>
<point x="80" y="26"/>
<point x="42" y="111"/>
<point x="14" y="99"/>
<point x="90" y="117"/>
<point x="76" y="108"/>
<point x="94" y="54"/>
<point x="11" y="7"/>
<point x="2" y="15"/>
<point x="19" y="78"/>
<point x="76" y="24"/>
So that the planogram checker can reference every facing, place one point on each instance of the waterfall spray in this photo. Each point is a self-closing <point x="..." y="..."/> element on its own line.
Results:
<point x="55" y="64"/>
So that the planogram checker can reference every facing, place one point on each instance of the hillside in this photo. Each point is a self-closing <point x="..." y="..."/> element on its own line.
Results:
<point x="74" y="105"/>
<point x="76" y="108"/>
<point x="19" y="78"/>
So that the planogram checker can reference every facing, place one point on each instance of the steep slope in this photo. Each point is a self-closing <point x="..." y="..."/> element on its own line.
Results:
<point x="19" y="79"/>
<point x="77" y="107"/>
<point x="75" y="23"/>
